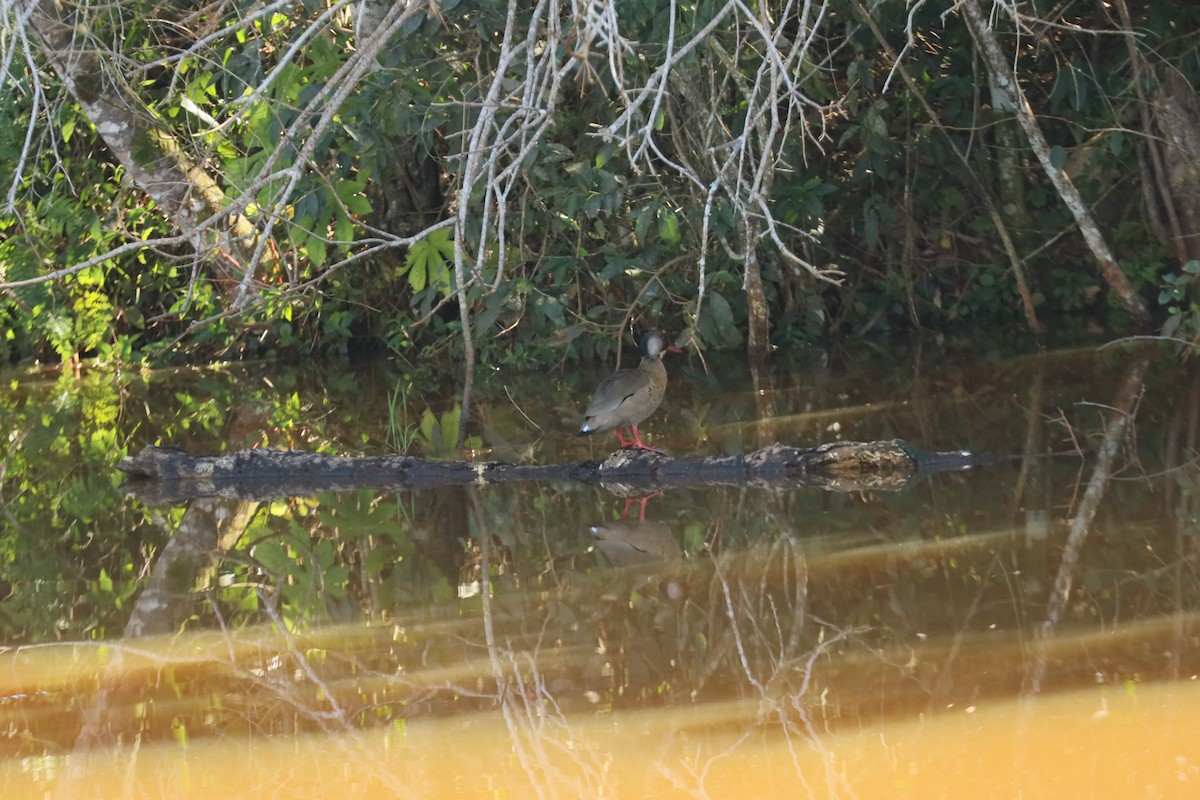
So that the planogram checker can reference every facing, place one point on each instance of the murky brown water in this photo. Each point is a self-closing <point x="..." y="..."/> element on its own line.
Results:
<point x="958" y="637"/>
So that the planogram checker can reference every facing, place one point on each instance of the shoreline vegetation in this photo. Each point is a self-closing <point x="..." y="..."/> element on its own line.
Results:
<point x="435" y="181"/>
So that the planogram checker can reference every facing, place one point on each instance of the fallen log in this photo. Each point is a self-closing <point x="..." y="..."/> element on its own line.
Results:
<point x="165" y="474"/>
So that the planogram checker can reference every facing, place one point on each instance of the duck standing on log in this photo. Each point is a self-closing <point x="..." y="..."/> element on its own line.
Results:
<point x="629" y="396"/>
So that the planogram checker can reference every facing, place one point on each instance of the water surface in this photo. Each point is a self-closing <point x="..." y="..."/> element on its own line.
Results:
<point x="950" y="637"/>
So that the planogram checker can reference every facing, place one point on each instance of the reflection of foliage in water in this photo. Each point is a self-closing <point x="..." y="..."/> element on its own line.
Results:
<point x="767" y="620"/>
<point x="57" y="496"/>
<point x="338" y="558"/>
<point x="73" y="550"/>
<point x="785" y="599"/>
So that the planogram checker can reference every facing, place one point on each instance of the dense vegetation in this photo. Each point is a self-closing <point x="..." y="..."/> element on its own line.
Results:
<point x="250" y="178"/>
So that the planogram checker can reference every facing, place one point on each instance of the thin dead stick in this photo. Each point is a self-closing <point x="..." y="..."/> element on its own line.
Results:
<point x="1010" y="249"/>
<point x="1004" y="80"/>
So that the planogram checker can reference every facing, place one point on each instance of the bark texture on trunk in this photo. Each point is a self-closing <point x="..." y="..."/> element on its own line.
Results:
<point x="758" y="343"/>
<point x="1177" y="119"/>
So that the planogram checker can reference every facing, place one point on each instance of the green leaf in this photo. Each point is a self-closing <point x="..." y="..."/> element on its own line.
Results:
<point x="871" y="228"/>
<point x="343" y="229"/>
<point x="427" y="262"/>
<point x="317" y="251"/>
<point x="1058" y="156"/>
<point x="429" y="424"/>
<point x="351" y="195"/>
<point x="272" y="555"/>
<point x="418" y="275"/>
<point x="359" y="204"/>
<point x="716" y="325"/>
<point x="376" y="561"/>
<point x="553" y="311"/>
<point x="668" y="227"/>
<point x="1116" y="143"/>
<point x="411" y="24"/>
<point x="450" y="424"/>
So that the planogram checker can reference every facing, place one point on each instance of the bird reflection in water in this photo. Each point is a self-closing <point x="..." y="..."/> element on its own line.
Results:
<point x="630" y="543"/>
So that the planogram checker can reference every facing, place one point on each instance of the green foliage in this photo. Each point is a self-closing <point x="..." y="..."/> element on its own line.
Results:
<point x="438" y="435"/>
<point x="58" y="482"/>
<point x="1180" y="298"/>
<point x="69" y="208"/>
<point x="138" y="300"/>
<point x="401" y="431"/>
<point x="430" y="262"/>
<point x="75" y="548"/>
<point x="594" y="236"/>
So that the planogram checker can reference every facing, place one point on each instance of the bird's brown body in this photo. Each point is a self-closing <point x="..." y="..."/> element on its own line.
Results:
<point x="629" y="396"/>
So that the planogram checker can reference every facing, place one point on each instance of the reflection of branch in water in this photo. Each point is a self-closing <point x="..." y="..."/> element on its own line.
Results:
<point x="1182" y="437"/>
<point x="833" y="775"/>
<point x="336" y="712"/>
<point x="780" y="646"/>
<point x="697" y="768"/>
<point x="768" y="601"/>
<point x="1033" y="464"/>
<point x="278" y="680"/>
<point x="527" y="706"/>
<point x="1123" y="406"/>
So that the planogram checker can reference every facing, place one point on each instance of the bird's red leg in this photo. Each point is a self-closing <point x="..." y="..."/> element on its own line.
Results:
<point x="621" y="436"/>
<point x="629" y="501"/>
<point x="638" y="443"/>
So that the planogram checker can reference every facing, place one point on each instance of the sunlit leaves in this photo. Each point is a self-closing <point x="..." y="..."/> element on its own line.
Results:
<point x="63" y="437"/>
<point x="600" y="231"/>
<point x="316" y="248"/>
<point x="428" y="262"/>
<point x="668" y="227"/>
<point x="350" y="193"/>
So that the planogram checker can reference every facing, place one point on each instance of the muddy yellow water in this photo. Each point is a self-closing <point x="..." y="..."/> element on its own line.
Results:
<point x="1026" y="629"/>
<point x="1131" y="741"/>
<point x="738" y="675"/>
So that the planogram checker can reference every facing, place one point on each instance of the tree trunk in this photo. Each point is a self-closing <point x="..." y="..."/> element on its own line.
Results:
<point x="1177" y="118"/>
<point x="152" y="157"/>
<point x="759" y="342"/>
<point x="1170" y="155"/>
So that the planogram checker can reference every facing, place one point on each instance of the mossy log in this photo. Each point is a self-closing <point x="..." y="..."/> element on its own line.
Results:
<point x="161" y="474"/>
